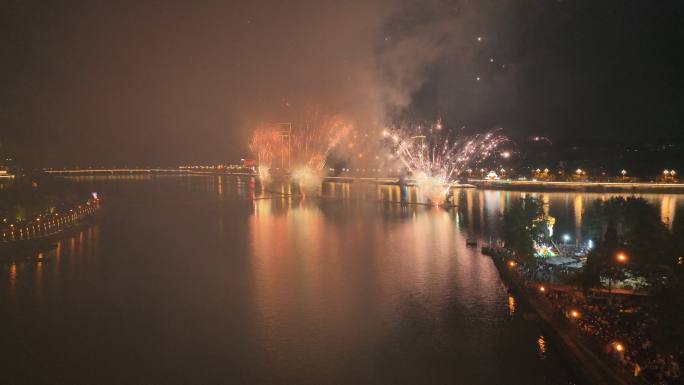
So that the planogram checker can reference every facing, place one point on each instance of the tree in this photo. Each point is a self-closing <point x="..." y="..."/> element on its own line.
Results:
<point x="631" y="225"/>
<point x="524" y="223"/>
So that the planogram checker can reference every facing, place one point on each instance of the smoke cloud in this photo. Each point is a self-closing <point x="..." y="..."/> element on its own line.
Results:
<point x="153" y="83"/>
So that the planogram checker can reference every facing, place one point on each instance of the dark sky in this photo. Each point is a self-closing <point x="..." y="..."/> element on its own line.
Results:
<point x="171" y="82"/>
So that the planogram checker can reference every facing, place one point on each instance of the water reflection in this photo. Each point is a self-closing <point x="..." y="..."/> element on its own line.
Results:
<point x="668" y="207"/>
<point x="345" y="266"/>
<point x="43" y="272"/>
<point x="482" y="209"/>
<point x="578" y="207"/>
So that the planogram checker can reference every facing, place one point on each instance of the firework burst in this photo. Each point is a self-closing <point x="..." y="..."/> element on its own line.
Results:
<point x="436" y="158"/>
<point x="313" y="140"/>
<point x="266" y="144"/>
<point x="302" y="149"/>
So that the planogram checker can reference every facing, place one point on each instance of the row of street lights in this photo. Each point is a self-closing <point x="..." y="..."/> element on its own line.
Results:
<point x="573" y="313"/>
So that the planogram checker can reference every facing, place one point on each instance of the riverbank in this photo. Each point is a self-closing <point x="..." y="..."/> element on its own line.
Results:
<point x="583" y="355"/>
<point x="528" y="185"/>
<point x="18" y="242"/>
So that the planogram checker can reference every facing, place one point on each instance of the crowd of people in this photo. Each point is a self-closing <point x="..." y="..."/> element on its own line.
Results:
<point x="625" y="327"/>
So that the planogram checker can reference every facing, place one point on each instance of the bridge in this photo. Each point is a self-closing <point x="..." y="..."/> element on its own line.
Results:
<point x="142" y="171"/>
<point x="113" y="171"/>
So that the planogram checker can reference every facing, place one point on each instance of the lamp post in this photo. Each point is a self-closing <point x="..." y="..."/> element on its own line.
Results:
<point x="620" y="258"/>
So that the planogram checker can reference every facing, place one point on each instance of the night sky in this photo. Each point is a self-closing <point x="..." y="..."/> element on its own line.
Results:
<point x="174" y="82"/>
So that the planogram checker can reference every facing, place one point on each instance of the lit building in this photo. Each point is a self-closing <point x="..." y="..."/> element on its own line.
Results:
<point x="5" y="174"/>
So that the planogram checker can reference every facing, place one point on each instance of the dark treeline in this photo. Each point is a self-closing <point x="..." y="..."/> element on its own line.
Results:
<point x="630" y="240"/>
<point x="29" y="196"/>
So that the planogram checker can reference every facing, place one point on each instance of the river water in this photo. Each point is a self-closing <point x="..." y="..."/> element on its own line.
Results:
<point x="208" y="280"/>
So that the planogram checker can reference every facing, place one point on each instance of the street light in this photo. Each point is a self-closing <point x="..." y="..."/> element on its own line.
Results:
<point x="621" y="257"/>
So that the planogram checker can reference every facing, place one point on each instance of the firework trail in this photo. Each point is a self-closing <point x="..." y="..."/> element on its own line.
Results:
<point x="313" y="140"/>
<point x="266" y="144"/>
<point x="541" y="139"/>
<point x="305" y="145"/>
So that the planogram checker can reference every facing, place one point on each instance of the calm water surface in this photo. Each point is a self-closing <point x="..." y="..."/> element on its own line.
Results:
<point x="205" y="280"/>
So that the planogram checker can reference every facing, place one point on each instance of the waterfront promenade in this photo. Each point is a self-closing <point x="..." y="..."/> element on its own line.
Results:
<point x="529" y="185"/>
<point x="45" y="227"/>
<point x="607" y="337"/>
